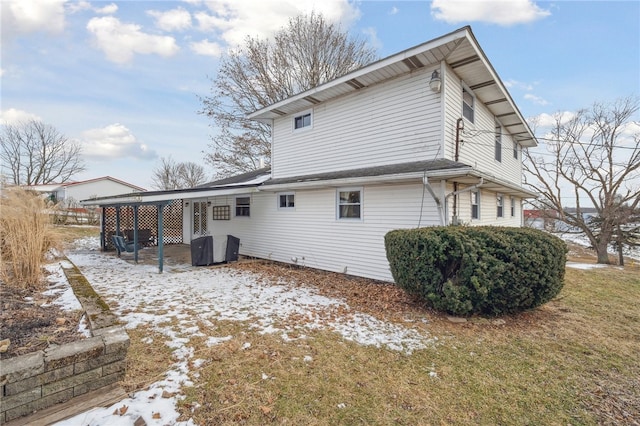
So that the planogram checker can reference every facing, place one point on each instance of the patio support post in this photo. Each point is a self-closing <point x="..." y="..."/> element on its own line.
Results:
<point x="103" y="231"/>
<point x="135" y="234"/>
<point x="118" y="220"/>
<point x="160" y="238"/>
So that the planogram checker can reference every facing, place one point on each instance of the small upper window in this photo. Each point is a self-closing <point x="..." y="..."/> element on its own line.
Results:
<point x="500" y="204"/>
<point x="349" y="203"/>
<point x="498" y="145"/>
<point x="467" y="104"/>
<point x="515" y="150"/>
<point x="286" y="200"/>
<point x="302" y="121"/>
<point x="243" y="206"/>
<point x="475" y="204"/>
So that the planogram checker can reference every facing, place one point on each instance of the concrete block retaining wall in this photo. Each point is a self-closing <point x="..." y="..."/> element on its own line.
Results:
<point x="57" y="374"/>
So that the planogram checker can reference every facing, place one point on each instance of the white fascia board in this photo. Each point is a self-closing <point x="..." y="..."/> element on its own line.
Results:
<point x="335" y="183"/>
<point x="398" y="57"/>
<point x="178" y="195"/>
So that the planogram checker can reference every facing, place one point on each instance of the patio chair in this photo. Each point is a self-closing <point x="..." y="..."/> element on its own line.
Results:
<point x="122" y="245"/>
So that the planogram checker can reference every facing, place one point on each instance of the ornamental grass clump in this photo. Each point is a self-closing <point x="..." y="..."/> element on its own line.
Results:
<point x="477" y="270"/>
<point x="26" y="235"/>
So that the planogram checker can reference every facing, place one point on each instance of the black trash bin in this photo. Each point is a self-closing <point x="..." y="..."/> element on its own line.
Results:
<point x="233" y="246"/>
<point x="202" y="251"/>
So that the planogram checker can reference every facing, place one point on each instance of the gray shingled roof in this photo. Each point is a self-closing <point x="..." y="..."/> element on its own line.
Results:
<point x="237" y="179"/>
<point x="390" y="169"/>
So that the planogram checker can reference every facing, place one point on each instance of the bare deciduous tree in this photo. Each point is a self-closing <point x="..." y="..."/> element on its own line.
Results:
<point x="192" y="174"/>
<point x="35" y="153"/>
<point x="592" y="159"/>
<point x="170" y="175"/>
<point x="306" y="53"/>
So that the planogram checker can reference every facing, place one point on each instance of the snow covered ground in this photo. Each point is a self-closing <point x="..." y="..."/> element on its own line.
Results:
<point x="174" y="302"/>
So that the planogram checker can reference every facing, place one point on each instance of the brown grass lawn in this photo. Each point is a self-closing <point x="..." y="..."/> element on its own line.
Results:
<point x="572" y="361"/>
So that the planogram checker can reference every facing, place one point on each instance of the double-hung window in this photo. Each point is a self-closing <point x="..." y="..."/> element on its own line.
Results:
<point x="286" y="200"/>
<point x="513" y="207"/>
<point x="475" y="205"/>
<point x="303" y="120"/>
<point x="468" y="102"/>
<point x="498" y="144"/>
<point x="243" y="206"/>
<point x="500" y="205"/>
<point x="515" y="150"/>
<point x="349" y="203"/>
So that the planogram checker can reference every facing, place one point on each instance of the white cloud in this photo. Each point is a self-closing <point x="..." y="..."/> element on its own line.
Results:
<point x="15" y="116"/>
<point x="206" y="48"/>
<point x="233" y="20"/>
<point x="82" y="5"/>
<point x="491" y="11"/>
<point x="109" y="9"/>
<point x="372" y="35"/>
<point x="120" y="41"/>
<point x="28" y="16"/>
<point x="394" y="11"/>
<point x="536" y="99"/>
<point x="518" y="84"/>
<point x="78" y="6"/>
<point x="172" y="20"/>
<point x="545" y="120"/>
<point x="114" y="141"/>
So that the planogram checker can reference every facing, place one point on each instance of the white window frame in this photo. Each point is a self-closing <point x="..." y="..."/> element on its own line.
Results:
<point x="513" y="206"/>
<point x="286" y="195"/>
<point x="477" y="205"/>
<point x="235" y="206"/>
<point x="302" y="114"/>
<point x="497" y="149"/>
<point x="360" y="203"/>
<point x="515" y="150"/>
<point x="471" y="107"/>
<point x="499" y="205"/>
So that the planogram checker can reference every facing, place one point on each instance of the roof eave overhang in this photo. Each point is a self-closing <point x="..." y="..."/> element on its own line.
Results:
<point x="142" y="198"/>
<point x="490" y="89"/>
<point x="489" y="182"/>
<point x="272" y="111"/>
<point x="343" y="182"/>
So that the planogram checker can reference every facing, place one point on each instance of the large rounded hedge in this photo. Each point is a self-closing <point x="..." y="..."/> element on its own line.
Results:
<point x="477" y="270"/>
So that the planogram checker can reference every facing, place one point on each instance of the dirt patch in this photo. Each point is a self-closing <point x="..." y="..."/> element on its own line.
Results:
<point x="30" y="326"/>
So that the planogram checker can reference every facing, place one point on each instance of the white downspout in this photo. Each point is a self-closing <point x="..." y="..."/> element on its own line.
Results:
<point x="427" y="185"/>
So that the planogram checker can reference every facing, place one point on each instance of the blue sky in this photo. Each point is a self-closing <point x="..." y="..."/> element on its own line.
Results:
<point x="123" y="77"/>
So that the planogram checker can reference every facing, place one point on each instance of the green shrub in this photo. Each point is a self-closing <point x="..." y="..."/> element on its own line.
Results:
<point x="477" y="270"/>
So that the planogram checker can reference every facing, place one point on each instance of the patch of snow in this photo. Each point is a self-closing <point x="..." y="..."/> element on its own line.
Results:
<point x="585" y="266"/>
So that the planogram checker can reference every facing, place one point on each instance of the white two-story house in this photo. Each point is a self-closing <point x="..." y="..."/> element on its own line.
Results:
<point x="428" y="136"/>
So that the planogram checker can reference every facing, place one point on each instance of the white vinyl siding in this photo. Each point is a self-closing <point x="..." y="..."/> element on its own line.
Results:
<point x="313" y="236"/>
<point x="394" y="122"/>
<point x="488" y="210"/>
<point x="478" y="149"/>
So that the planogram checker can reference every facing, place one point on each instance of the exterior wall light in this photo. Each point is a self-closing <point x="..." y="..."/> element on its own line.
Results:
<point x="436" y="83"/>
